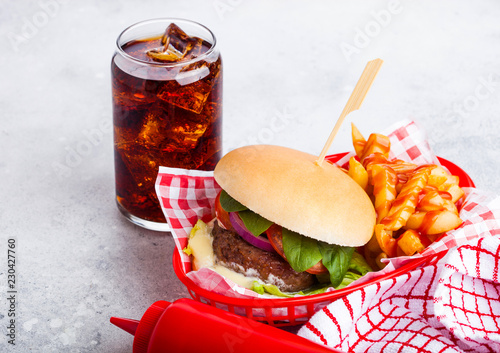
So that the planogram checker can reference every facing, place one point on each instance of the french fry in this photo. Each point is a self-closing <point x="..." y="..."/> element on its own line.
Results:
<point x="371" y="251"/>
<point x="375" y="158"/>
<point x="454" y="190"/>
<point x="433" y="237"/>
<point x="421" y="200"/>
<point x="450" y="206"/>
<point x="402" y="167"/>
<point x="410" y="243"/>
<point x="435" y="200"/>
<point x="451" y="180"/>
<point x="385" y="240"/>
<point x="384" y="181"/>
<point x="406" y="202"/>
<point x="358" y="140"/>
<point x="372" y="245"/>
<point x="377" y="143"/>
<point x="378" y="260"/>
<point x="446" y="182"/>
<point x="358" y="173"/>
<point x="431" y="200"/>
<point x="433" y="222"/>
<point x="436" y="180"/>
<point x="437" y="177"/>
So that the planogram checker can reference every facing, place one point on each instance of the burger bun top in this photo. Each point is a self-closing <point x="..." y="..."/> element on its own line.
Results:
<point x="289" y="188"/>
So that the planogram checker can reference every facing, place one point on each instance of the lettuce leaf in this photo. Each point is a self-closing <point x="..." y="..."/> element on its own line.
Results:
<point x="358" y="267"/>
<point x="263" y="288"/>
<point x="255" y="223"/>
<point x="359" y="264"/>
<point x="336" y="259"/>
<point x="301" y="252"/>
<point x="229" y="204"/>
<point x="348" y="279"/>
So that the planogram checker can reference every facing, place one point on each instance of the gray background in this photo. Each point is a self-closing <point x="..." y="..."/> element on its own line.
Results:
<point x="79" y="261"/>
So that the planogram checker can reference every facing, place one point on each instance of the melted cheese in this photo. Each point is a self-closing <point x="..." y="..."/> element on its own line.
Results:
<point x="200" y="244"/>
<point x="236" y="277"/>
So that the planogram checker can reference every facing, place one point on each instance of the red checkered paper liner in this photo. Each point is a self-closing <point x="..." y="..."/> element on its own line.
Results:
<point x="408" y="143"/>
<point x="187" y="195"/>
<point x="451" y="306"/>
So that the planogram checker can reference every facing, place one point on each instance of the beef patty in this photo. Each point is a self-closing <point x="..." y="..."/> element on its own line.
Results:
<point x="237" y="254"/>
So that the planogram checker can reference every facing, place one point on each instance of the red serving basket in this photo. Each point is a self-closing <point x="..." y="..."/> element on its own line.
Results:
<point x="298" y="310"/>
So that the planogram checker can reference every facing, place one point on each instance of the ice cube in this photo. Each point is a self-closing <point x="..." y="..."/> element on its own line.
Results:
<point x="161" y="140"/>
<point x="132" y="100"/>
<point x="153" y="129"/>
<point x="199" y="47"/>
<point x="178" y="39"/>
<point x="127" y="93"/>
<point x="169" y="132"/>
<point x="142" y="164"/>
<point x="170" y="54"/>
<point x="191" y="97"/>
<point x="177" y="46"/>
<point x="143" y="161"/>
<point x="185" y="136"/>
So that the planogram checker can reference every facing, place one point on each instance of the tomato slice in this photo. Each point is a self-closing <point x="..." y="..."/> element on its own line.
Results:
<point x="318" y="269"/>
<point x="222" y="215"/>
<point x="276" y="239"/>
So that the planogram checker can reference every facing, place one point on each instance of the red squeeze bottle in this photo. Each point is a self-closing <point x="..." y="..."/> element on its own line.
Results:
<point x="190" y="326"/>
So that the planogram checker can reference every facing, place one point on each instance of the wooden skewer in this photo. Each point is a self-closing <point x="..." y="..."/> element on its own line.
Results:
<point x="354" y="103"/>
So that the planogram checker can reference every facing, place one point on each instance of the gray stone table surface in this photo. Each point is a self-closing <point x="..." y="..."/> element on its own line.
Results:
<point x="79" y="262"/>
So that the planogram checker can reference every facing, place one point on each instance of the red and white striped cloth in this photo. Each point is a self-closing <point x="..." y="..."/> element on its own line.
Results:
<point x="392" y="311"/>
<point x="453" y="306"/>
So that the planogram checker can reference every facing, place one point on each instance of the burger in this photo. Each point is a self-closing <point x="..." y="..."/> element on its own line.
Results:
<point x="285" y="222"/>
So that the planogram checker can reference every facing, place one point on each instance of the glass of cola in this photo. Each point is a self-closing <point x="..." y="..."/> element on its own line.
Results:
<point x="167" y="110"/>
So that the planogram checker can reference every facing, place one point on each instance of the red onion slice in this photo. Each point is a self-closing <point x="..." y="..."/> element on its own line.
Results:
<point x="259" y="242"/>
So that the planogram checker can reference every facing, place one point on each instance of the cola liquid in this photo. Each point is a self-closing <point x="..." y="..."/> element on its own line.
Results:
<point x="167" y="111"/>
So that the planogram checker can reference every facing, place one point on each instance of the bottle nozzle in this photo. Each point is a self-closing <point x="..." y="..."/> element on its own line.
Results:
<point x="128" y="325"/>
